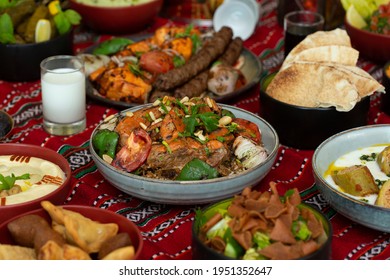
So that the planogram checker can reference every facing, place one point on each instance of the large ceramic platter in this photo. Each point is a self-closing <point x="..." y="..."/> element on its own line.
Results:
<point x="252" y="70"/>
<point x="361" y="211"/>
<point x="192" y="192"/>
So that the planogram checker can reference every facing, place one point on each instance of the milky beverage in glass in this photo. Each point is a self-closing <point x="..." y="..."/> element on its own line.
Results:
<point x="63" y="95"/>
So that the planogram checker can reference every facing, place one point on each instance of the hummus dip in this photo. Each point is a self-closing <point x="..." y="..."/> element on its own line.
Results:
<point x="45" y="177"/>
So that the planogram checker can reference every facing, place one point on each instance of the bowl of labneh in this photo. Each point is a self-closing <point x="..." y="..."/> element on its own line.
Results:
<point x="48" y="233"/>
<point x="255" y="225"/>
<point x="318" y="91"/>
<point x="28" y="175"/>
<point x="351" y="169"/>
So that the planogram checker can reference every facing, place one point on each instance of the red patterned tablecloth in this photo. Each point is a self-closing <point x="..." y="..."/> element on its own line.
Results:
<point x="166" y="229"/>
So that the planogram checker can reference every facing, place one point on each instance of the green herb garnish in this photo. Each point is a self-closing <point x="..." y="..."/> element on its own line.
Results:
<point x="178" y="61"/>
<point x="6" y="29"/>
<point x="197" y="169"/>
<point x="167" y="147"/>
<point x="7" y="182"/>
<point x="136" y="70"/>
<point x="112" y="46"/>
<point x="64" y="20"/>
<point x="370" y="157"/>
<point x="379" y="182"/>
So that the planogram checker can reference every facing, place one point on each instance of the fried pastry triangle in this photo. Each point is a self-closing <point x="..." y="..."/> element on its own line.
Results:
<point x="80" y="230"/>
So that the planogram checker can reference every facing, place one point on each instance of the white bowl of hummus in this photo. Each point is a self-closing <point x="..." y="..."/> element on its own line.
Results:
<point x="30" y="174"/>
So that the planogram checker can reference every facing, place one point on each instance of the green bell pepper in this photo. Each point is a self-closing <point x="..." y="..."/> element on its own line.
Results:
<point x="105" y="141"/>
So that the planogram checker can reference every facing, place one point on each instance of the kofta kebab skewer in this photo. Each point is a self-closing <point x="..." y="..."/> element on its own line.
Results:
<point x="198" y="84"/>
<point x="198" y="63"/>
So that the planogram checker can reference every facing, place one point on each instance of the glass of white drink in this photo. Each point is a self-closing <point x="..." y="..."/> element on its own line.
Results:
<point x="63" y="95"/>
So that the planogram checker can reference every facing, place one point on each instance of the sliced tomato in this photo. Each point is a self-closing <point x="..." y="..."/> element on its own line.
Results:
<point x="135" y="152"/>
<point x="156" y="62"/>
<point x="248" y="129"/>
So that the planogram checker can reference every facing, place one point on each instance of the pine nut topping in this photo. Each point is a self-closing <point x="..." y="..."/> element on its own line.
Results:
<point x="184" y="99"/>
<point x="209" y="103"/>
<point x="143" y="126"/>
<point x="152" y="116"/>
<point x="109" y="118"/>
<point x="157" y="121"/>
<point x="225" y="120"/>
<point x="107" y="158"/>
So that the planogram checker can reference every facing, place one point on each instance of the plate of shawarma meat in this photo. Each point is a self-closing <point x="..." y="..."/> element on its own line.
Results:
<point x="173" y="61"/>
<point x="322" y="71"/>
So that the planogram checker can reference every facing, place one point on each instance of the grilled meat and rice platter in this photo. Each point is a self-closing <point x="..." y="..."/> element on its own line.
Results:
<point x="180" y="139"/>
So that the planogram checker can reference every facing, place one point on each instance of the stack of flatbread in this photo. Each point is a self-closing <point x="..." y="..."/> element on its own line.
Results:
<point x="321" y="71"/>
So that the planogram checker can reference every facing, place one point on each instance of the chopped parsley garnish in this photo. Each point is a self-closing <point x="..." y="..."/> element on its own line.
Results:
<point x="210" y="120"/>
<point x="379" y="182"/>
<point x="182" y="106"/>
<point x="7" y="182"/>
<point x="136" y="70"/>
<point x="148" y="117"/>
<point x="232" y="127"/>
<point x="167" y="147"/>
<point x="370" y="157"/>
<point x="178" y="61"/>
<point x="164" y="108"/>
<point x="196" y="41"/>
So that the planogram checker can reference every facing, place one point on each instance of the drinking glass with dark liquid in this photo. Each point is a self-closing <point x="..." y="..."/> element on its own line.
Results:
<point x="331" y="10"/>
<point x="299" y="24"/>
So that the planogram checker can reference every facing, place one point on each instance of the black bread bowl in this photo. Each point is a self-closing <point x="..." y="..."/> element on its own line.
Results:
<point x="303" y="127"/>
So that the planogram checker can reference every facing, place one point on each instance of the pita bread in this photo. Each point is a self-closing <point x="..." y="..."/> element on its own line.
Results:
<point x="325" y="54"/>
<point x="363" y="81"/>
<point x="311" y="84"/>
<point x="336" y="37"/>
<point x="321" y="71"/>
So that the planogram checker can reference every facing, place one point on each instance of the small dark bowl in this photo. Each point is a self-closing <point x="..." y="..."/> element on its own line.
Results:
<point x="118" y="20"/>
<point x="93" y="213"/>
<point x="305" y="128"/>
<point x="371" y="45"/>
<point x="57" y="196"/>
<point x="202" y="252"/>
<point x="385" y="103"/>
<point x="21" y="62"/>
<point x="6" y="124"/>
